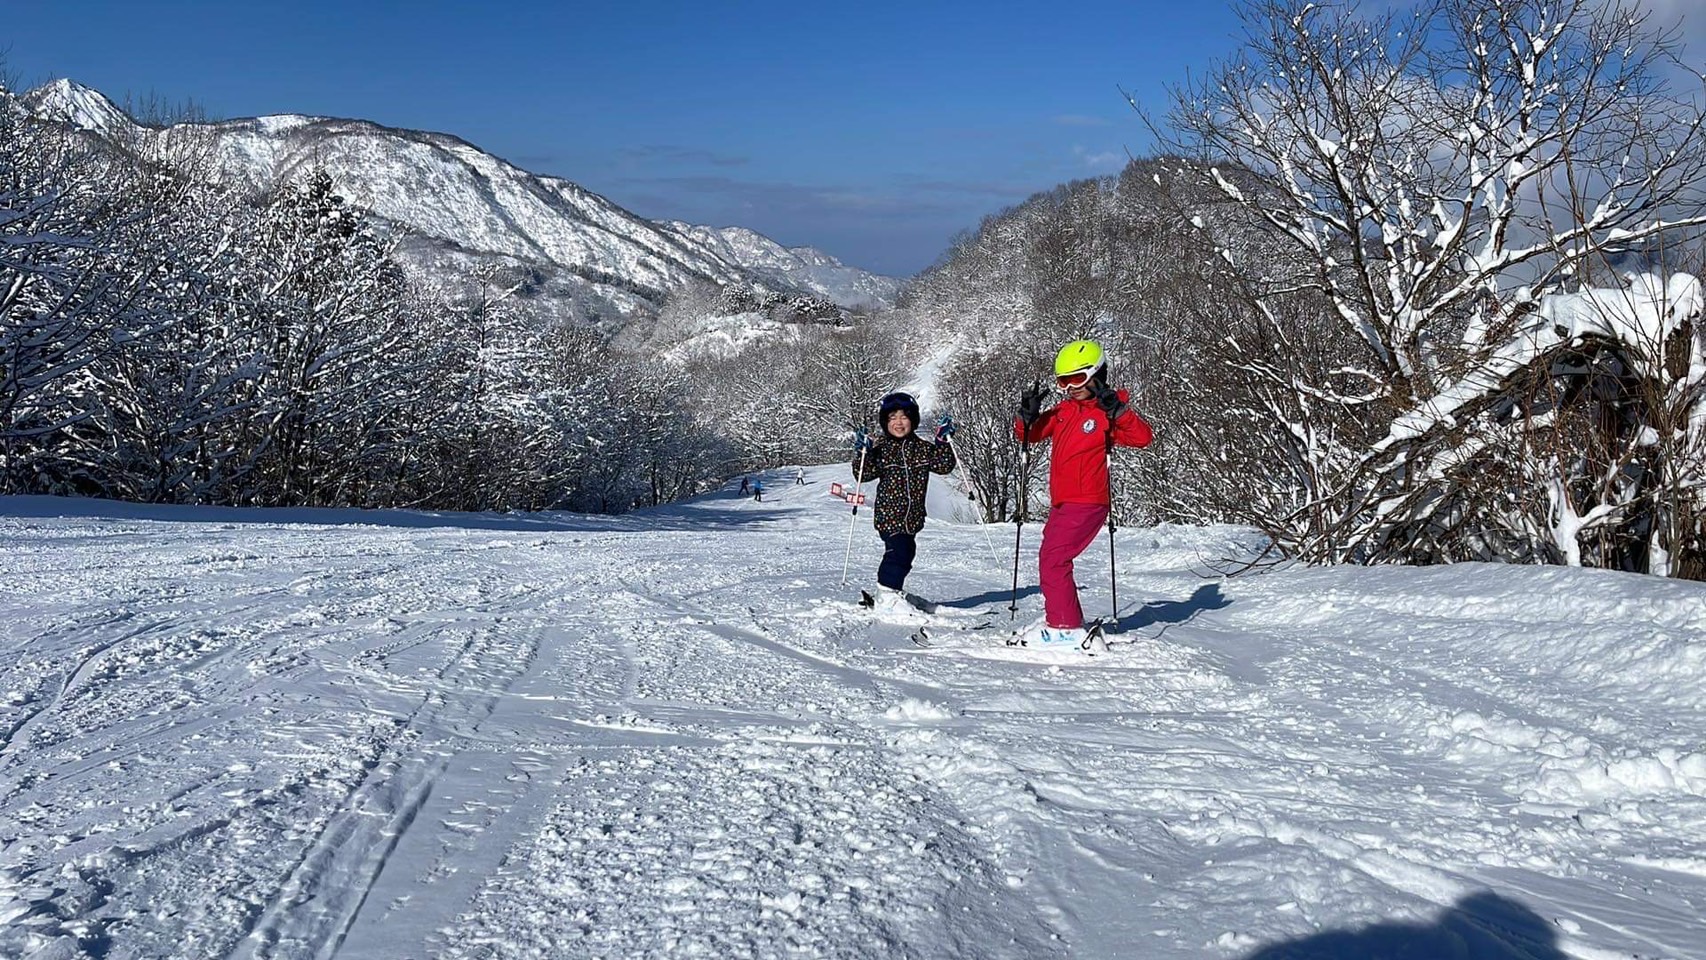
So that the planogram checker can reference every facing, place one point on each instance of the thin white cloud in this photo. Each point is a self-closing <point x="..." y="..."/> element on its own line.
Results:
<point x="1100" y="161"/>
<point x="682" y="156"/>
<point x="782" y="196"/>
<point x="1687" y="18"/>
<point x="979" y="188"/>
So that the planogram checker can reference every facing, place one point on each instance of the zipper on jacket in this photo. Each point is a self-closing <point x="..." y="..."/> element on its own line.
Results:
<point x="906" y="471"/>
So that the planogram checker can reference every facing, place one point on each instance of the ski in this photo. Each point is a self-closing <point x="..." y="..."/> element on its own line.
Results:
<point x="1094" y="643"/>
<point x="922" y="636"/>
<point x="933" y="608"/>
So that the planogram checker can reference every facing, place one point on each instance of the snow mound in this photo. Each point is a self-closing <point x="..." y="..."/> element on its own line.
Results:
<point x="918" y="712"/>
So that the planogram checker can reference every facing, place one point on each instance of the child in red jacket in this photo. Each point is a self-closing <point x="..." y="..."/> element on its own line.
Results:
<point x="1084" y="427"/>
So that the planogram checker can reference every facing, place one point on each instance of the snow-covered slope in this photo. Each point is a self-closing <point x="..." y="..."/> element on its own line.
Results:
<point x="723" y="337"/>
<point x="452" y="193"/>
<point x="231" y="732"/>
<point x="803" y="267"/>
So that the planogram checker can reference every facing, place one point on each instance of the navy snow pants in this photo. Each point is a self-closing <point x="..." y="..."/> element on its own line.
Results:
<point x="898" y="551"/>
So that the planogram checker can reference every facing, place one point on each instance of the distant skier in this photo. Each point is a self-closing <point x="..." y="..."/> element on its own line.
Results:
<point x="758" y="491"/>
<point x="745" y="485"/>
<point x="800" y="476"/>
<point x="901" y="462"/>
<point x="1084" y="427"/>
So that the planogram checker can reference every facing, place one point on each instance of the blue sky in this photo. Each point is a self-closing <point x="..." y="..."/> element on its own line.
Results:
<point x="875" y="131"/>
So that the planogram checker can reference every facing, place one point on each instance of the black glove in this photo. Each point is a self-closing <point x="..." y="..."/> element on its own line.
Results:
<point x="1031" y="404"/>
<point x="1108" y="399"/>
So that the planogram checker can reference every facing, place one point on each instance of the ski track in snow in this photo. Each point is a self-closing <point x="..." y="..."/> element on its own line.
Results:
<point x="349" y="734"/>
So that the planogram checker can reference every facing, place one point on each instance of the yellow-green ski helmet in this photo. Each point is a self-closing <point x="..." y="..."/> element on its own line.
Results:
<point x="1080" y="356"/>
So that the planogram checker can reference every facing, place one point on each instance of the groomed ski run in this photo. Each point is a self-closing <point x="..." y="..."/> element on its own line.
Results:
<point x="235" y="733"/>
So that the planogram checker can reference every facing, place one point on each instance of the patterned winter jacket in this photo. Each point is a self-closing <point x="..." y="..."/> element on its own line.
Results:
<point x="902" y="470"/>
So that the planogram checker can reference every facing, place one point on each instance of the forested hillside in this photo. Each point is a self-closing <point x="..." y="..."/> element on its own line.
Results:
<point x="1418" y="287"/>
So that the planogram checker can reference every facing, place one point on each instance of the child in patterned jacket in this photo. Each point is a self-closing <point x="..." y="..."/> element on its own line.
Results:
<point x="901" y="462"/>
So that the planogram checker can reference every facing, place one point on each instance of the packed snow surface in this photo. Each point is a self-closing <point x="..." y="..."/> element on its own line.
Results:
<point x="243" y="733"/>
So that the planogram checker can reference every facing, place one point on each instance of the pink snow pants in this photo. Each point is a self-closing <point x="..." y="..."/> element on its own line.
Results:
<point x="1071" y="527"/>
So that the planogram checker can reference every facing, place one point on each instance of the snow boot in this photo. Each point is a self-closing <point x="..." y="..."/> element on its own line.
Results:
<point x="894" y="606"/>
<point x="1041" y="636"/>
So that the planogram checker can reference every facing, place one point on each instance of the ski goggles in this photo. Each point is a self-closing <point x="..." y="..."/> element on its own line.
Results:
<point x="1067" y="381"/>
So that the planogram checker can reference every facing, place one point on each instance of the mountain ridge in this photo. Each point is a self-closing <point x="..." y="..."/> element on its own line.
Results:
<point x="606" y="263"/>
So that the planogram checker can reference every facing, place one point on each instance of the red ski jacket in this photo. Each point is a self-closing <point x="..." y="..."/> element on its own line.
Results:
<point x="1078" y="470"/>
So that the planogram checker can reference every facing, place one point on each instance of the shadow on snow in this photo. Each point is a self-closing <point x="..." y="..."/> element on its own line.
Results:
<point x="671" y="517"/>
<point x="1206" y="597"/>
<point x="1002" y="597"/>
<point x="1484" y="926"/>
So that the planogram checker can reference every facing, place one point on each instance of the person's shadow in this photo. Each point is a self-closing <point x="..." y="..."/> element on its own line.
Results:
<point x="987" y="597"/>
<point x="1484" y="926"/>
<point x="1205" y="597"/>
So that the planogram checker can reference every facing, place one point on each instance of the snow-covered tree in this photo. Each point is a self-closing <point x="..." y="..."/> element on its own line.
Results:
<point x="66" y="297"/>
<point x="319" y="308"/>
<point x="1432" y="178"/>
<point x="172" y="392"/>
<point x="981" y="392"/>
<point x="165" y="337"/>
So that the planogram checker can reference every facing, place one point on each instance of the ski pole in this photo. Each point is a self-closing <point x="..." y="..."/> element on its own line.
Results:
<point x="1113" y="578"/>
<point x="965" y="478"/>
<point x="1019" y="515"/>
<point x="859" y="482"/>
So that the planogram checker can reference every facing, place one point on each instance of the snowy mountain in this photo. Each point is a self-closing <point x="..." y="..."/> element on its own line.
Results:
<point x="804" y="267"/>
<point x="382" y="734"/>
<point x="64" y="101"/>
<point x="466" y="205"/>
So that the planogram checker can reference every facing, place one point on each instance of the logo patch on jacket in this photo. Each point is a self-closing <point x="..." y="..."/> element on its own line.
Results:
<point x="1090" y="425"/>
